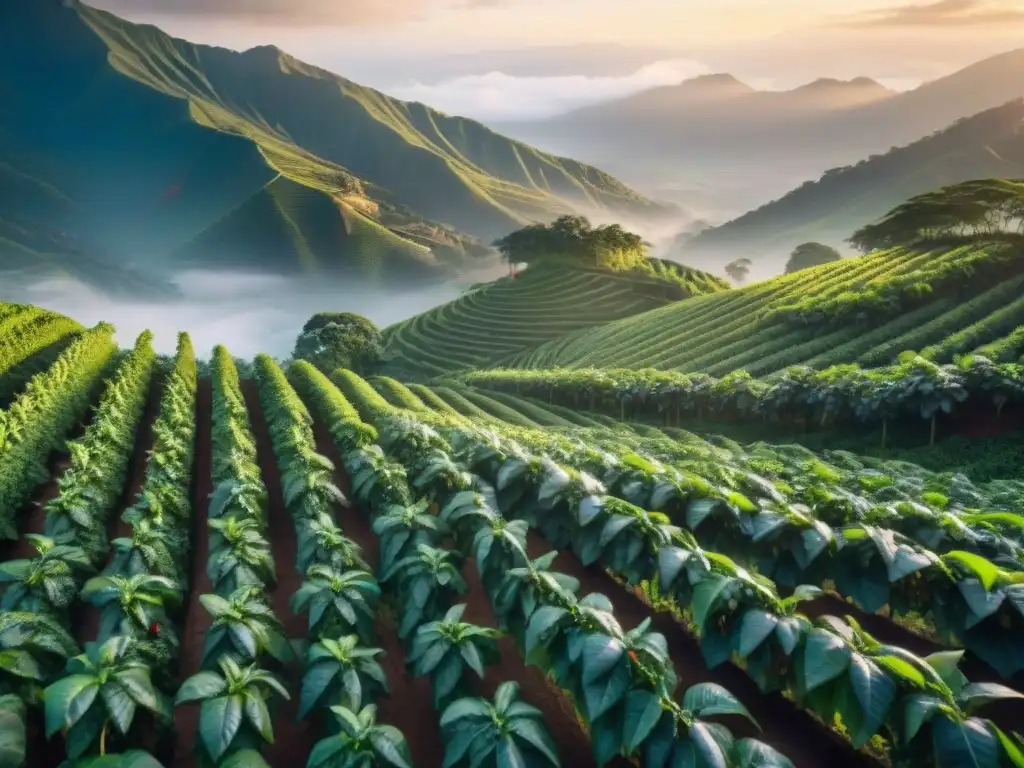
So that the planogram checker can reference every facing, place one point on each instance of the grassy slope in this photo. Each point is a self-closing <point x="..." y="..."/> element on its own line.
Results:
<point x="495" y="322"/>
<point x="447" y="168"/>
<point x="143" y="151"/>
<point x="988" y="145"/>
<point x="723" y="332"/>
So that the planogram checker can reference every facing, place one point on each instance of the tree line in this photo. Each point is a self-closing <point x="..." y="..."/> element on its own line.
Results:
<point x="991" y="208"/>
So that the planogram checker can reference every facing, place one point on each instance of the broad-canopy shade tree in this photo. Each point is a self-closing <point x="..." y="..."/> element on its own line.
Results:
<point x="979" y="208"/>
<point x="571" y="237"/>
<point x="811" y="255"/>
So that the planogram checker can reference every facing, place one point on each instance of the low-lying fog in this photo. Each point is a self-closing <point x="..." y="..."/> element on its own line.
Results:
<point x="248" y="313"/>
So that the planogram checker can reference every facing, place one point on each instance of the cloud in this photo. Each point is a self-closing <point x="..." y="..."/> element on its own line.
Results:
<point x="943" y="13"/>
<point x="300" y="13"/>
<point x="498" y="96"/>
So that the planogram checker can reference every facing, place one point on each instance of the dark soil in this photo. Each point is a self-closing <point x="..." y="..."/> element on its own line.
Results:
<point x="409" y="708"/>
<point x="786" y="727"/>
<point x="196" y="620"/>
<point x="292" y="740"/>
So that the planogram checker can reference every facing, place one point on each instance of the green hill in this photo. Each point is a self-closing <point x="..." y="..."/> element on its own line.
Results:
<point x="945" y="301"/>
<point x="545" y="302"/>
<point x="145" y="149"/>
<point x="990" y="144"/>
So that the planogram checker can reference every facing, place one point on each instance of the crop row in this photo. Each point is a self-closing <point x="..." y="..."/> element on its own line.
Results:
<point x="722" y="332"/>
<point x="38" y="591"/>
<point x="832" y="667"/>
<point x="913" y="389"/>
<point x="947" y="271"/>
<point x="38" y="420"/>
<point x="865" y="533"/>
<point x="25" y="330"/>
<point x="127" y="667"/>
<point x="621" y="681"/>
<point x="498" y="320"/>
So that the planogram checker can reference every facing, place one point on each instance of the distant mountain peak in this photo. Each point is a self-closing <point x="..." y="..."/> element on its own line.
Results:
<point x="717" y="80"/>
<point x="832" y="84"/>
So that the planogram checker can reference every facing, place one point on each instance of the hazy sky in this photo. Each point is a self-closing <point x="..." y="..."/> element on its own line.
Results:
<point x="473" y="56"/>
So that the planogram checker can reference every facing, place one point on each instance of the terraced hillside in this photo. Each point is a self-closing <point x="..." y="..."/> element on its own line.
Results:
<point x="942" y="302"/>
<point x="207" y="564"/>
<point x="494" y="322"/>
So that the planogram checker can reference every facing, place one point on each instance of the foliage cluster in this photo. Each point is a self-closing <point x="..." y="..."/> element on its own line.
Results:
<point x="829" y="665"/>
<point x="979" y="208"/>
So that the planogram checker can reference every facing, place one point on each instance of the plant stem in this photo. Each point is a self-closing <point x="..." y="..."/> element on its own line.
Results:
<point x="103" y="738"/>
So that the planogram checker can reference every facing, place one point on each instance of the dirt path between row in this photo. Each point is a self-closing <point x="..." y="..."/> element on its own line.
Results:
<point x="195" y="621"/>
<point x="786" y="727"/>
<point x="292" y="740"/>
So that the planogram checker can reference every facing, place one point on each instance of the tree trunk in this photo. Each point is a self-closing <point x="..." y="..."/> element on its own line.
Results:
<point x="931" y="441"/>
<point x="885" y="432"/>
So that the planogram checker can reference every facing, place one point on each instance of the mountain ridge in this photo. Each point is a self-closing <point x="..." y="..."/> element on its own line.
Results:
<point x="987" y="145"/>
<point x="156" y="142"/>
<point x="778" y="139"/>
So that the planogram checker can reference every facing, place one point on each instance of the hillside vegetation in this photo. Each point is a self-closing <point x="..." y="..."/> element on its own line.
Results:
<point x="941" y="300"/>
<point x="492" y="323"/>
<point x="990" y="144"/>
<point x="123" y="147"/>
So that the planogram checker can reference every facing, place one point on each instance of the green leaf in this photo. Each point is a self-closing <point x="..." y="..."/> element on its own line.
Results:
<point x="709" y="699"/>
<point x="964" y="745"/>
<point x="534" y="734"/>
<point x="751" y="753"/>
<point x="258" y="715"/>
<point x="901" y="668"/>
<point x="986" y="572"/>
<point x="119" y="704"/>
<point x="314" y="683"/>
<point x="643" y="709"/>
<point x="219" y="721"/>
<point x="755" y="627"/>
<point x="12" y="731"/>
<point x="508" y="755"/>
<point x="600" y="654"/>
<point x="391" y="751"/>
<point x="203" y="685"/>
<point x="825" y="658"/>
<point x="875" y="691"/>
<point x="543" y="619"/>
<point x="706" y="596"/>
<point x="67" y="700"/>
<point x="1014" y="750"/>
<point x="918" y="709"/>
<point x="978" y="695"/>
<point x="707" y="747"/>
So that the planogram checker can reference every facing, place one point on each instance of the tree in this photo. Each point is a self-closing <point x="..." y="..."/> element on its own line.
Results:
<point x="811" y="255"/>
<point x="573" y="238"/>
<point x="738" y="270"/>
<point x="332" y="340"/>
